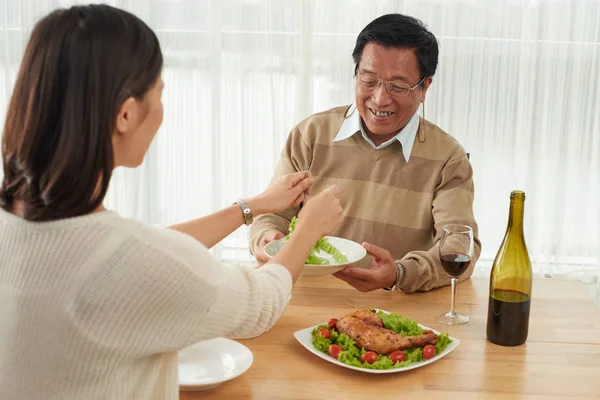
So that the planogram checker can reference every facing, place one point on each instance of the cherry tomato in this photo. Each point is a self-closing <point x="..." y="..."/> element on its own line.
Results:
<point x="333" y="322"/>
<point x="334" y="350"/>
<point x="397" y="356"/>
<point x="428" y="351"/>
<point x="326" y="333"/>
<point x="369" y="357"/>
<point x="427" y="332"/>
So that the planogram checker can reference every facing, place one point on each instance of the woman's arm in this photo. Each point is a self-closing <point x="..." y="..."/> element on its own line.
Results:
<point x="283" y="193"/>
<point x="213" y="228"/>
<point x="176" y="293"/>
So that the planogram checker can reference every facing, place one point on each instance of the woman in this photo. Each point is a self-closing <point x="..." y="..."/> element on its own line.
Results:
<point x="92" y="305"/>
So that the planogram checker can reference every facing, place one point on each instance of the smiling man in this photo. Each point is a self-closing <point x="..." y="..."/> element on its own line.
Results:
<point x="401" y="177"/>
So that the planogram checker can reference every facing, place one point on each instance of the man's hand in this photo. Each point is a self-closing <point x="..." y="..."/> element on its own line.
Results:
<point x="382" y="273"/>
<point x="259" y="251"/>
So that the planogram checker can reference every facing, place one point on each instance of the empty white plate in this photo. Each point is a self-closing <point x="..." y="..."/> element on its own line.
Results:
<point x="354" y="251"/>
<point x="207" y="364"/>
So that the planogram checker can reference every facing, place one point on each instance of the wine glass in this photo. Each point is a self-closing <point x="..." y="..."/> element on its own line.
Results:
<point x="456" y="252"/>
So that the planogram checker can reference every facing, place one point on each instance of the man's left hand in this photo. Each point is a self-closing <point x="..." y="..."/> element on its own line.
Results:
<point x="382" y="273"/>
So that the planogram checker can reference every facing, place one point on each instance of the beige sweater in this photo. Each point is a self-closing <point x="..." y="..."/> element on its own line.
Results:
<point x="397" y="205"/>
<point x="96" y="307"/>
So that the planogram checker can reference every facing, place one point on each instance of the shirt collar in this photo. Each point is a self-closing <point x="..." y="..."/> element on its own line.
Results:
<point x="353" y="124"/>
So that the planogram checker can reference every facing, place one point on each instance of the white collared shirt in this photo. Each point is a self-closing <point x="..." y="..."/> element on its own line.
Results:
<point x="353" y="123"/>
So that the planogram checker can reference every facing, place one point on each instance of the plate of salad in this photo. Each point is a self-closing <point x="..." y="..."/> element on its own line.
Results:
<point x="376" y="341"/>
<point x="329" y="255"/>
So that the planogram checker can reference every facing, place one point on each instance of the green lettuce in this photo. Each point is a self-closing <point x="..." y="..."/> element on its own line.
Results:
<point x="321" y="245"/>
<point x="401" y="325"/>
<point x="320" y="342"/>
<point x="351" y="354"/>
<point x="443" y="342"/>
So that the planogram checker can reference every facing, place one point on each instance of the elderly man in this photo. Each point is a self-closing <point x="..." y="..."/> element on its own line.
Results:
<point x="401" y="177"/>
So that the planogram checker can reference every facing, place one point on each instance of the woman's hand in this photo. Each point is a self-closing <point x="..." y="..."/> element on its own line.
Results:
<point x="286" y="191"/>
<point x="323" y="213"/>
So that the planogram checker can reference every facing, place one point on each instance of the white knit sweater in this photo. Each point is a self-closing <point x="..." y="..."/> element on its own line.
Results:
<point x="96" y="307"/>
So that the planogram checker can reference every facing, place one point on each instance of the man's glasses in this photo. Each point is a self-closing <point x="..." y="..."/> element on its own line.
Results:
<point x="394" y="88"/>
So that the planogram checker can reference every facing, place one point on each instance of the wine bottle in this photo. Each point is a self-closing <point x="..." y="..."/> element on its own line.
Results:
<point x="510" y="282"/>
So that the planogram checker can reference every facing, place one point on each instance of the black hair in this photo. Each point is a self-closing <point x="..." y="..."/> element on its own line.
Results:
<point x="402" y="31"/>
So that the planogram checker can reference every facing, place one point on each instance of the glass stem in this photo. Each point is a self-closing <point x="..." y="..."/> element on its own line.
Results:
<point x="453" y="282"/>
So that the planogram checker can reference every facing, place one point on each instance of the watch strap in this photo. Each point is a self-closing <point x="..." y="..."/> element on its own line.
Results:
<point x="248" y="217"/>
<point x="399" y="278"/>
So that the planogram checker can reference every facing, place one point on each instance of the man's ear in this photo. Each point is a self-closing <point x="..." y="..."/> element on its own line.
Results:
<point x="426" y="84"/>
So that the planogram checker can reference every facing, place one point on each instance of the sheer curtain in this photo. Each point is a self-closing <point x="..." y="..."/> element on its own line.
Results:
<point x="518" y="85"/>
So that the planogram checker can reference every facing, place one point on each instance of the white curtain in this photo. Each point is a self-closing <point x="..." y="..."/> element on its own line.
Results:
<point x="518" y="85"/>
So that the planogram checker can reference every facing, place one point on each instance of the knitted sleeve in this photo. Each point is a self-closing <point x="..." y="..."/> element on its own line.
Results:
<point x="452" y="204"/>
<point x="162" y="292"/>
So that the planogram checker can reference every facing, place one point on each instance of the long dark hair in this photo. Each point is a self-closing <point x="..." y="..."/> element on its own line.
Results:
<point x="79" y="66"/>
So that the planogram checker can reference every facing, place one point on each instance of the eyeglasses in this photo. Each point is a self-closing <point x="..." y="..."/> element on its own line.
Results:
<point x="394" y="88"/>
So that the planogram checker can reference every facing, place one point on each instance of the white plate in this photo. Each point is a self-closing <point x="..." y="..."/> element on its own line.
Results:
<point x="207" y="364"/>
<point x="354" y="251"/>
<point x="304" y="336"/>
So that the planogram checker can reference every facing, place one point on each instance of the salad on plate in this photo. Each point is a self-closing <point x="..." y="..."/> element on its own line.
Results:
<point x="378" y="340"/>
<point x="322" y="245"/>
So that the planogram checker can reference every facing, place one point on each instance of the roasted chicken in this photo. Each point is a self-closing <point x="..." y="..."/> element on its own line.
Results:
<point x="366" y="328"/>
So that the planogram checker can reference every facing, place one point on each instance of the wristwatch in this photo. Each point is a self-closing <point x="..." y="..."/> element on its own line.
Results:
<point x="399" y="278"/>
<point x="248" y="217"/>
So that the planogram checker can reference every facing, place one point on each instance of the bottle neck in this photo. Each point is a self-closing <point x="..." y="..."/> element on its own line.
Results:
<point x="515" y="217"/>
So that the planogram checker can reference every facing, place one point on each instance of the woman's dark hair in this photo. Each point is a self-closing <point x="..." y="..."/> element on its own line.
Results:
<point x="402" y="31"/>
<point x="79" y="66"/>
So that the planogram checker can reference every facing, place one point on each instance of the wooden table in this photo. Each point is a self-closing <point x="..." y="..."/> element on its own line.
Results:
<point x="560" y="360"/>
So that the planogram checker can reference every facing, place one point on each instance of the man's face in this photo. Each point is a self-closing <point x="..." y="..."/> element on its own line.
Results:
<point x="384" y="114"/>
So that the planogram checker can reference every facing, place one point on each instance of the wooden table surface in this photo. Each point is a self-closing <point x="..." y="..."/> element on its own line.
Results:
<point x="560" y="360"/>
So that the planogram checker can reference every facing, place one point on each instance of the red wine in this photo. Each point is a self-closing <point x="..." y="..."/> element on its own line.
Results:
<point x="455" y="264"/>
<point x="508" y="317"/>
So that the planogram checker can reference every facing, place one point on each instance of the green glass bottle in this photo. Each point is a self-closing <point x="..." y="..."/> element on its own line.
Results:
<point x="511" y="282"/>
